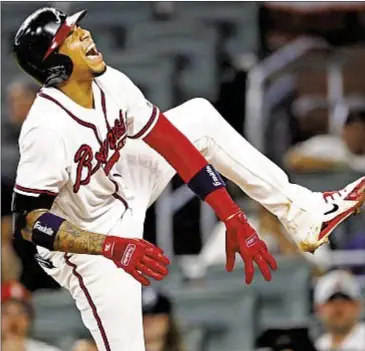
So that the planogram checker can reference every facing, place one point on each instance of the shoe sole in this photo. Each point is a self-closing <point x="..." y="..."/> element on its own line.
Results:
<point x="311" y="247"/>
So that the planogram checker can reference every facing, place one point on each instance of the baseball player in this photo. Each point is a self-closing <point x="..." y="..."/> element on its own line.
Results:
<point x="95" y="155"/>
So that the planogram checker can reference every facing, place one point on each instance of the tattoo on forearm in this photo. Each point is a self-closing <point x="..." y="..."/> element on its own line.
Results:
<point x="69" y="238"/>
<point x="75" y="240"/>
<point x="31" y="219"/>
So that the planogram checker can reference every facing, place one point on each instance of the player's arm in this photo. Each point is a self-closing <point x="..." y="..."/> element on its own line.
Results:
<point x="41" y="175"/>
<point x="137" y="257"/>
<point x="208" y="185"/>
<point x="67" y="238"/>
<point x="145" y="122"/>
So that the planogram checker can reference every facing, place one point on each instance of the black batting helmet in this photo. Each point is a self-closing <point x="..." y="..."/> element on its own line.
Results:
<point x="36" y="42"/>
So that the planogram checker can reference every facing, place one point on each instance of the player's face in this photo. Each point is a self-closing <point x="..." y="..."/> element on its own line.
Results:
<point x="14" y="319"/>
<point x="340" y="315"/>
<point x="87" y="60"/>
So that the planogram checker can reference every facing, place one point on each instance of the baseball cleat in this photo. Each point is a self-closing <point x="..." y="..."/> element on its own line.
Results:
<point x="339" y="205"/>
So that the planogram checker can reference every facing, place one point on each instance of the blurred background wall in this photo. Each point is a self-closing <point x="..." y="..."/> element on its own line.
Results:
<point x="289" y="77"/>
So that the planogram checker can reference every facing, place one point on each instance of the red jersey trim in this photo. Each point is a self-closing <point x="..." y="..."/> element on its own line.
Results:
<point x="103" y="105"/>
<point x="76" y="119"/>
<point x="34" y="191"/>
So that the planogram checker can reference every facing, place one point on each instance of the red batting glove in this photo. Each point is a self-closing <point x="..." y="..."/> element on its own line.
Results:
<point x="137" y="257"/>
<point x="242" y="238"/>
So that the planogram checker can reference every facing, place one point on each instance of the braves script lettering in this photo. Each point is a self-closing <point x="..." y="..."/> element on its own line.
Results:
<point x="106" y="156"/>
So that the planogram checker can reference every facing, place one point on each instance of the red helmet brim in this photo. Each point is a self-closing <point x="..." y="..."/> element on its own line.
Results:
<point x="64" y="30"/>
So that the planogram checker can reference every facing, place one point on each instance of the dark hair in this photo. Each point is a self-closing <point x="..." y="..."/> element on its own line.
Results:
<point x="355" y="116"/>
<point x="155" y="303"/>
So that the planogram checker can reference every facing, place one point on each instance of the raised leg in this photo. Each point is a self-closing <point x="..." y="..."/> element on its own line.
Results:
<point x="299" y="209"/>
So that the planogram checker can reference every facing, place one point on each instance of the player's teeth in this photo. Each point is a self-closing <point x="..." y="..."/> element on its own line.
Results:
<point x="92" y="51"/>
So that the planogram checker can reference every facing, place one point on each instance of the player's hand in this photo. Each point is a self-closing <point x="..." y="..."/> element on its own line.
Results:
<point x="137" y="257"/>
<point x="242" y="238"/>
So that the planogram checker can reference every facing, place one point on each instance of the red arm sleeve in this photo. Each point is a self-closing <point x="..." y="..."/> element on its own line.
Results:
<point x="182" y="155"/>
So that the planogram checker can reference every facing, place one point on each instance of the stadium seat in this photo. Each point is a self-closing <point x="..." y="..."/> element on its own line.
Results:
<point x="64" y="326"/>
<point x="194" y="60"/>
<point x="113" y="12"/>
<point x="283" y="300"/>
<point x="225" y="314"/>
<point x="153" y="31"/>
<point x="241" y="16"/>
<point x="153" y="75"/>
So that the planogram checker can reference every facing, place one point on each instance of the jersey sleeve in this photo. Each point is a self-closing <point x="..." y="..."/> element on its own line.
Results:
<point x="42" y="168"/>
<point x="141" y="114"/>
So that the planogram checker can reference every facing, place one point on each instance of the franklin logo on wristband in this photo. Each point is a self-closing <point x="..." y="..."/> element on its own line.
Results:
<point x="127" y="256"/>
<point x="213" y="175"/>
<point x="206" y="181"/>
<point x="43" y="228"/>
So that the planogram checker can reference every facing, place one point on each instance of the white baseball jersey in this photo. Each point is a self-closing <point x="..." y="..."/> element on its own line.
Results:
<point x="355" y="341"/>
<point x="72" y="152"/>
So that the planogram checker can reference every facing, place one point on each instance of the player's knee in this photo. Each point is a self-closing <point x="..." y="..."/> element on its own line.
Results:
<point x="203" y="112"/>
<point x="207" y="113"/>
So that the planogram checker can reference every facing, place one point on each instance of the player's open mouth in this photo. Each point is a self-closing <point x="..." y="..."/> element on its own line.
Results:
<point x="92" y="53"/>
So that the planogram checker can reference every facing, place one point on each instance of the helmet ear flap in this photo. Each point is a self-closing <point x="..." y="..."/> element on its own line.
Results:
<point x="59" y="69"/>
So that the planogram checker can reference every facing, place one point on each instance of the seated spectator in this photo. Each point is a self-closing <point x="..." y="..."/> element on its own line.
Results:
<point x="17" y="317"/>
<point x="84" y="345"/>
<point x="338" y="303"/>
<point x="285" y="339"/>
<point x="330" y="152"/>
<point x="160" y="330"/>
<point x="10" y="264"/>
<point x="19" y="98"/>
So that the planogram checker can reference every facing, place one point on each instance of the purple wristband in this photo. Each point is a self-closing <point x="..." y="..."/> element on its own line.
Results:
<point x="206" y="181"/>
<point x="45" y="229"/>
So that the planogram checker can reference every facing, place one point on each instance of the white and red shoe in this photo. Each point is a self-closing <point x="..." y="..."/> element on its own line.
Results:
<point x="338" y="206"/>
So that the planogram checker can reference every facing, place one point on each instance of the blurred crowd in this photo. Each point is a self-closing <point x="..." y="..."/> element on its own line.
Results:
<point x="17" y="321"/>
<point x="338" y="305"/>
<point x="313" y="148"/>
